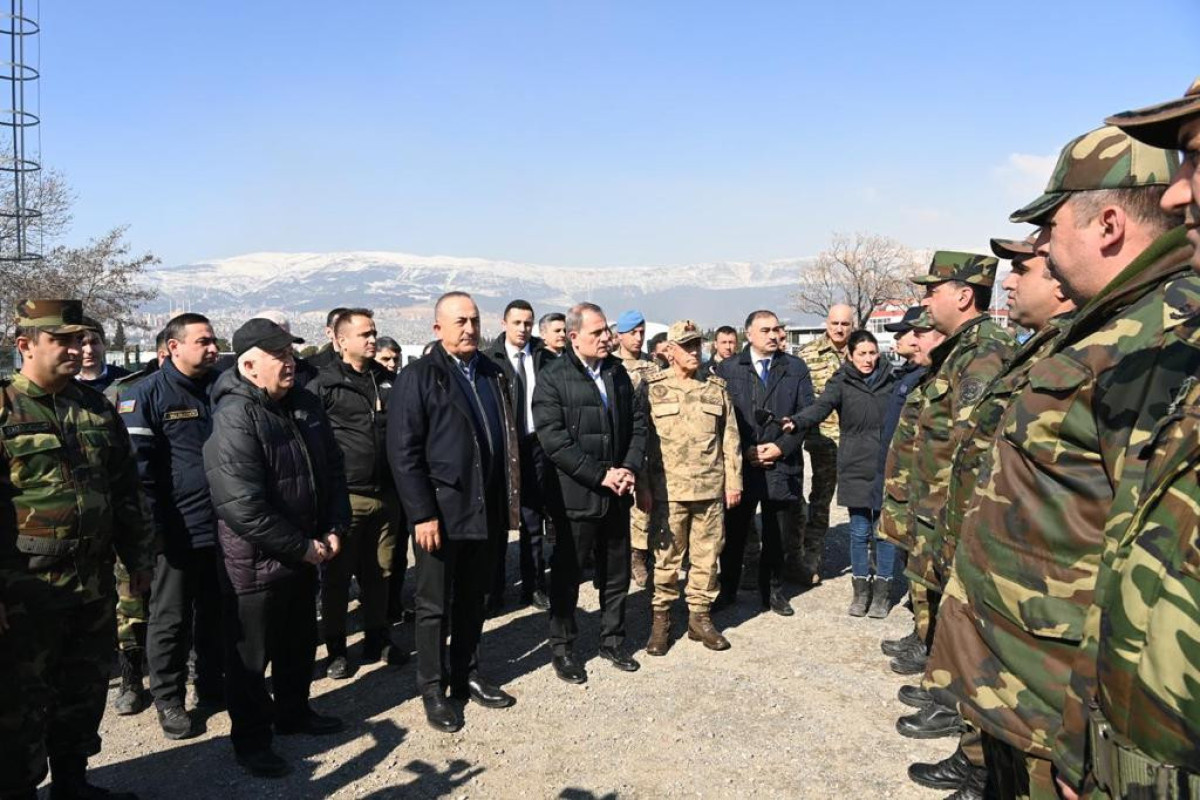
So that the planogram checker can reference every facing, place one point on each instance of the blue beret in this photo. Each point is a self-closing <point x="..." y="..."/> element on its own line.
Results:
<point x="630" y="320"/>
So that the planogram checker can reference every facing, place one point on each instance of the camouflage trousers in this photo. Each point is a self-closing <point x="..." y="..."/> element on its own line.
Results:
<point x="54" y="668"/>
<point x="804" y="544"/>
<point x="1014" y="775"/>
<point x="133" y="612"/>
<point x="695" y="528"/>
<point x="643" y="527"/>
<point x="925" y="603"/>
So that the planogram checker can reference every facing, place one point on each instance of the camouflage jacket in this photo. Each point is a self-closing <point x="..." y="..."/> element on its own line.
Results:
<point x="962" y="367"/>
<point x="1030" y="546"/>
<point x="638" y="369"/>
<point x="895" y="517"/>
<point x="823" y="360"/>
<point x="694" y="451"/>
<point x="66" y="464"/>
<point x="973" y="442"/>
<point x="1144" y="622"/>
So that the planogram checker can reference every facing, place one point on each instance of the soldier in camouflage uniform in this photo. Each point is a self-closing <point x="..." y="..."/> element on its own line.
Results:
<point x="1012" y="622"/>
<point x="631" y="331"/>
<point x="1035" y="301"/>
<point x="958" y="291"/>
<point x="1142" y="693"/>
<point x="694" y="462"/>
<point x="805" y="548"/>
<point x="67" y="469"/>
<point x="133" y="611"/>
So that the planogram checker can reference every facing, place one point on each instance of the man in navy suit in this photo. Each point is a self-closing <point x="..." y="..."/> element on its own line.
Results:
<point x="768" y="388"/>
<point x="452" y="444"/>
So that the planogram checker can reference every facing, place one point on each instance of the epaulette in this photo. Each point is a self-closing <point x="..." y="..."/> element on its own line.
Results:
<point x="716" y="380"/>
<point x="656" y="376"/>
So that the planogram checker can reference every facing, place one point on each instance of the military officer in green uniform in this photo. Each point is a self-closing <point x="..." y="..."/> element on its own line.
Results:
<point x="68" y="472"/>
<point x="694" y="462"/>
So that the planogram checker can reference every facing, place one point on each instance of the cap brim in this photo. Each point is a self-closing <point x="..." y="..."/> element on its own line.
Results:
<point x="1010" y="249"/>
<point x="1158" y="125"/>
<point x="278" y="342"/>
<point x="1039" y="210"/>
<point x="63" y="329"/>
<point x="691" y="337"/>
<point x="897" y="327"/>
<point x="925" y="280"/>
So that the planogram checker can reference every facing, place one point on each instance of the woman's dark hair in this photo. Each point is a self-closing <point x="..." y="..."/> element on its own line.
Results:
<point x="858" y="337"/>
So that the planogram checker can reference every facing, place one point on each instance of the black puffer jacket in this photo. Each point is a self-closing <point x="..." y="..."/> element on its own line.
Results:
<point x="276" y="478"/>
<point x="861" y="402"/>
<point x="584" y="439"/>
<point x="356" y="404"/>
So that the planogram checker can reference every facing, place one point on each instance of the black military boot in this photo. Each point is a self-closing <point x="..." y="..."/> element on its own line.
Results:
<point x="132" y="697"/>
<point x="881" y="593"/>
<point x="949" y="773"/>
<point x="894" y="647"/>
<point x="914" y="696"/>
<point x="68" y="781"/>
<point x="378" y="645"/>
<point x="931" y="722"/>
<point x="862" y="597"/>
<point x="910" y="662"/>
<point x="973" y="787"/>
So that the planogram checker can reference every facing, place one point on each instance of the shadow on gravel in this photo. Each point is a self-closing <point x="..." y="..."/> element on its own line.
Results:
<point x="584" y="794"/>
<point x="430" y="782"/>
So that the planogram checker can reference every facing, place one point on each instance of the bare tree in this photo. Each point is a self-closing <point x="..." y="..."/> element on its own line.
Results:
<point x="864" y="271"/>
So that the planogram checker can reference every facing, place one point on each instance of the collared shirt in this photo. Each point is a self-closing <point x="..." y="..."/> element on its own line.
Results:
<point x="524" y="366"/>
<point x="761" y="369"/>
<point x="598" y="379"/>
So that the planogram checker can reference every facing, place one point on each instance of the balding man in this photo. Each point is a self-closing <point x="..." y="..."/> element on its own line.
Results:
<point x="805" y="546"/>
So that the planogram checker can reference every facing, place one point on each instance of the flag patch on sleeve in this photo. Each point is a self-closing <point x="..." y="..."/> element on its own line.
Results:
<point x="126" y="406"/>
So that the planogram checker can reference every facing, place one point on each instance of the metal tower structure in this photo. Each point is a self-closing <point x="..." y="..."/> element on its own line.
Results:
<point x="19" y="139"/>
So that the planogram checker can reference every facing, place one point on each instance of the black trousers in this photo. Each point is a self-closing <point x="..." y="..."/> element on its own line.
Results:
<point x="450" y="600"/>
<point x="608" y="539"/>
<point x="777" y="516"/>
<point x="278" y="627"/>
<point x="185" y="613"/>
<point x="534" y="466"/>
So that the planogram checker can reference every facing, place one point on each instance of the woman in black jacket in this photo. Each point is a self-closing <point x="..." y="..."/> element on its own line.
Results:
<point x="860" y="392"/>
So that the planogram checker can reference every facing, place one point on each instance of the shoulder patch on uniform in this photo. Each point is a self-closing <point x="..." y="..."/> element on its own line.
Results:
<point x="658" y="392"/>
<point x="182" y="413"/>
<point x="126" y="406"/>
<point x="656" y="376"/>
<point x="971" y="390"/>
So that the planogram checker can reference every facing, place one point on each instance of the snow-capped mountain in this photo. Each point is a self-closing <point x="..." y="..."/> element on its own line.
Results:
<point x="400" y="286"/>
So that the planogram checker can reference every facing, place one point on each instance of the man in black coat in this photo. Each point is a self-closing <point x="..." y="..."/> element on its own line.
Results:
<point x="452" y="444"/>
<point x="593" y="428"/>
<point x="520" y="355"/>
<point x="279" y="490"/>
<point x="768" y="387"/>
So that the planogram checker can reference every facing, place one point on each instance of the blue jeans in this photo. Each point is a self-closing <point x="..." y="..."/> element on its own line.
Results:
<point x="862" y="528"/>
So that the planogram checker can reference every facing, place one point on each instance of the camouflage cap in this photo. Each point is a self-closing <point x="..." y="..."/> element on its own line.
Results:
<point x="948" y="265"/>
<point x="1105" y="158"/>
<point x="1014" y="249"/>
<point x="923" y="322"/>
<point x="52" y="316"/>
<point x="1158" y="125"/>
<point x="684" y="331"/>
<point x="905" y="323"/>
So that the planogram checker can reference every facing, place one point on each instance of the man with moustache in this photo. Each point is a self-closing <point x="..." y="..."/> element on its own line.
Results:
<point x="452" y="444"/>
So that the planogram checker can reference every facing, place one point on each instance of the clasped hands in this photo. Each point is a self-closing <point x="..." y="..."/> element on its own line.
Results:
<point x="323" y="549"/>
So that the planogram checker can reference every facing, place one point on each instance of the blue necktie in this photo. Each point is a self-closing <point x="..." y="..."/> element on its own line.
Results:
<point x="765" y="372"/>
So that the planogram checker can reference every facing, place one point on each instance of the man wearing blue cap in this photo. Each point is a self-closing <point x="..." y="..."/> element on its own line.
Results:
<point x="631" y="334"/>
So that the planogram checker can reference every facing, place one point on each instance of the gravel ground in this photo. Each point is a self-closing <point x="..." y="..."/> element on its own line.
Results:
<point x="800" y="707"/>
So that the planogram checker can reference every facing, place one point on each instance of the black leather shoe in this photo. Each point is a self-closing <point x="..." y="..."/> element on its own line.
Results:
<point x="540" y="600"/>
<point x="779" y="604"/>
<point x="619" y="659"/>
<point x="312" y="724"/>
<point x="569" y="669"/>
<point x="176" y="724"/>
<point x="949" y="773"/>
<point x="441" y="714"/>
<point x="931" y="722"/>
<point x="338" y="668"/>
<point x="910" y="663"/>
<point x="974" y="786"/>
<point x="914" y="696"/>
<point x="489" y="695"/>
<point x="378" y="646"/>
<point x="264" y="764"/>
<point x="894" y="647"/>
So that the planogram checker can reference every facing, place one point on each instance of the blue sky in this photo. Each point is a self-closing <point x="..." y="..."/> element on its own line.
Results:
<point x="581" y="133"/>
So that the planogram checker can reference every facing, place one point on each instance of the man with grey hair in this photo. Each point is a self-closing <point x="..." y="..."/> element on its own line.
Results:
<point x="593" y="429"/>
